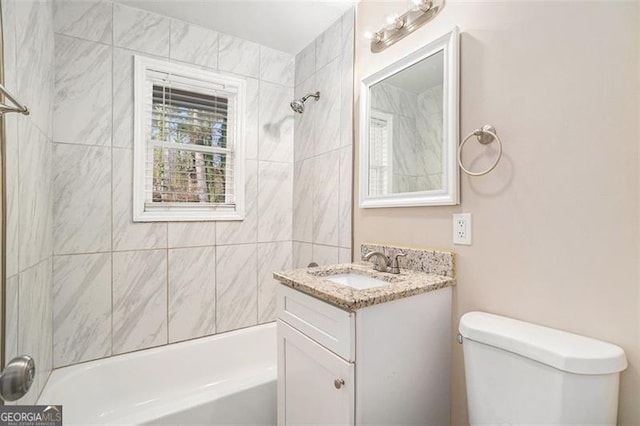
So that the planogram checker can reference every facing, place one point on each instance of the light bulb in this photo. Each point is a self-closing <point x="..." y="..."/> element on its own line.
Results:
<point x="373" y="37"/>
<point x="392" y="22"/>
<point x="425" y="5"/>
<point x="415" y="4"/>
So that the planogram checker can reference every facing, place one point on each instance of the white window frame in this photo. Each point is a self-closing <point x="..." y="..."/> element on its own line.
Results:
<point x="388" y="121"/>
<point x="191" y="212"/>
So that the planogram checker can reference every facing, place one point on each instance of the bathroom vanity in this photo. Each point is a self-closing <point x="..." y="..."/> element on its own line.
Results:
<point x="357" y="346"/>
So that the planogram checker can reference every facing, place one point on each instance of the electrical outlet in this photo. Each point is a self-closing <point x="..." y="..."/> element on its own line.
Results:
<point x="462" y="229"/>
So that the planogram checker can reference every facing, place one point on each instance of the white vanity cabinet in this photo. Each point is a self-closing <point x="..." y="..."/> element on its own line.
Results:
<point x="384" y="364"/>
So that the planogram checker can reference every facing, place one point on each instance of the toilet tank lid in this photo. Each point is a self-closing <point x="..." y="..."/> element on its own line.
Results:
<point x="565" y="351"/>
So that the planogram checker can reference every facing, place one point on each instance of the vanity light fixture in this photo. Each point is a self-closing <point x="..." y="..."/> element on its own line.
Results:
<point x="398" y="27"/>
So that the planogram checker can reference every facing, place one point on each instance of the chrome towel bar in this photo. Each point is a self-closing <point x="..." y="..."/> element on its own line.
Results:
<point x="17" y="106"/>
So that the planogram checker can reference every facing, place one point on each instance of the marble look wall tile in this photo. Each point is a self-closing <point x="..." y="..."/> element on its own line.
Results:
<point x="305" y="63"/>
<point x="388" y="98"/>
<point x="276" y="123"/>
<point x="11" y="318"/>
<point x="123" y="98"/>
<point x="45" y="352"/>
<point x="35" y="60"/>
<point x="275" y="209"/>
<point x="192" y="293"/>
<point x="302" y="254"/>
<point x="345" y="197"/>
<point x="344" y="255"/>
<point x="139" y="300"/>
<point x="346" y="91"/>
<point x="128" y="235"/>
<point x="86" y="19"/>
<point x="12" y="171"/>
<point x="303" y="206"/>
<point x="82" y="112"/>
<point x="277" y="66"/>
<point x="238" y="56"/>
<point x="194" y="44"/>
<point x="252" y="131"/>
<point x="305" y="133"/>
<point x="348" y="28"/>
<point x="407" y="158"/>
<point x="191" y="234"/>
<point x="431" y="181"/>
<point x="142" y="31"/>
<point x="236" y="295"/>
<point x="326" y="198"/>
<point x="81" y="308"/>
<point x="430" y="129"/>
<point x="328" y="108"/>
<point x="35" y="183"/>
<point x="271" y="257"/>
<point x="246" y="230"/>
<point x="328" y="44"/>
<point x="35" y="324"/>
<point x="9" y="44"/>
<point x="82" y="205"/>
<point x="325" y="255"/>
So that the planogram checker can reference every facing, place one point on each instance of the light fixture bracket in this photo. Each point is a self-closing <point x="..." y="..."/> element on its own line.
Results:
<point x="410" y="21"/>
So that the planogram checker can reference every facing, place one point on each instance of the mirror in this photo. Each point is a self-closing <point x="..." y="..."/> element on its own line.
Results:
<point x="409" y="129"/>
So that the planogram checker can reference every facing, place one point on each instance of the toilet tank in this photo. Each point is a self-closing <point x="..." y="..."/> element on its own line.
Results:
<point x="525" y="374"/>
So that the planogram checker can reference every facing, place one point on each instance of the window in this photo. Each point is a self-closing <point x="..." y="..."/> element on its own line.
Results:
<point x="188" y="144"/>
<point x="380" y="149"/>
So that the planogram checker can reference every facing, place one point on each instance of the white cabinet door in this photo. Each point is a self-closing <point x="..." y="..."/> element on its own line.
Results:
<point x="315" y="386"/>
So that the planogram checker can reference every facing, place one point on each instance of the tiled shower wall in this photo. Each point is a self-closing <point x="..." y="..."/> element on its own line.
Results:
<point x="28" y="70"/>
<point x="416" y="117"/>
<point x="323" y="148"/>
<point x="120" y="286"/>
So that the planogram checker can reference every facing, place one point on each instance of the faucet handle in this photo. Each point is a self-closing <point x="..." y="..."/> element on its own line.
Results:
<point x="395" y="266"/>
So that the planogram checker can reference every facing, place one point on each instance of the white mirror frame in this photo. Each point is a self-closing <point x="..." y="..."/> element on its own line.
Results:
<point x="449" y="195"/>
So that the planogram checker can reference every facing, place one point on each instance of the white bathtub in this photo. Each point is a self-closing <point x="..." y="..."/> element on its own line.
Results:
<point x="227" y="379"/>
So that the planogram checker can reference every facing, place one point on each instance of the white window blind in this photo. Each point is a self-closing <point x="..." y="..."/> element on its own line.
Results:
<point x="188" y="143"/>
<point x="380" y="149"/>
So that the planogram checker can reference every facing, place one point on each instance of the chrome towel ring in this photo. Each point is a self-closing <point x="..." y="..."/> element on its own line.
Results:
<point x="485" y="135"/>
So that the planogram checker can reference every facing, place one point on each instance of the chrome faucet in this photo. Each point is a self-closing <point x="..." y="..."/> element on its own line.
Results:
<point x="382" y="261"/>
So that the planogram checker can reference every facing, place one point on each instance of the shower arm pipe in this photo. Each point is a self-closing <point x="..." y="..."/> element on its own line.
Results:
<point x="311" y="95"/>
<point x="18" y="106"/>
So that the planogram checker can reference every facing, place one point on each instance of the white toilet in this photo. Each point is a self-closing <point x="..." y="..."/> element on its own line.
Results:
<point x="524" y="374"/>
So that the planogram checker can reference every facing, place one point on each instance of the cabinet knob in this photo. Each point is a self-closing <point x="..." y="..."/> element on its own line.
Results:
<point x="338" y="383"/>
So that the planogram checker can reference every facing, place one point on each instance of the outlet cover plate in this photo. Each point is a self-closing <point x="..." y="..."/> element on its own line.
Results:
<point x="462" y="229"/>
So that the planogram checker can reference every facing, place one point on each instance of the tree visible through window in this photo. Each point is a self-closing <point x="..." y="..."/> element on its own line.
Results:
<point x="192" y="119"/>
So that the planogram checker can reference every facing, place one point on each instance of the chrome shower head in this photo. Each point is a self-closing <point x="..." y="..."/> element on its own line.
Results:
<point x="298" y="104"/>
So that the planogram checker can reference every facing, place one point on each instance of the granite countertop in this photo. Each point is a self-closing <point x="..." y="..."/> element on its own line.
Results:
<point x="408" y="283"/>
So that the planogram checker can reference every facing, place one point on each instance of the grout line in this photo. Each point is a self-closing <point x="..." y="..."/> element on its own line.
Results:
<point x="75" y="37"/>
<point x="215" y="279"/>
<point x="167" y="289"/>
<point x="257" y="258"/>
<point x="113" y="70"/>
<point x="171" y="248"/>
<point x="87" y="145"/>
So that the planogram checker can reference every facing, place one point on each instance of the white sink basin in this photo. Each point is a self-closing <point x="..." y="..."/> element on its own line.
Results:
<point x="356" y="281"/>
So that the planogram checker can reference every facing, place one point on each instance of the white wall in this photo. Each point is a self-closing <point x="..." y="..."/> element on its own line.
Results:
<point x="28" y="74"/>
<point x="121" y="286"/>
<point x="555" y="226"/>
